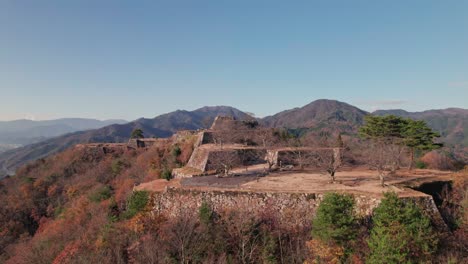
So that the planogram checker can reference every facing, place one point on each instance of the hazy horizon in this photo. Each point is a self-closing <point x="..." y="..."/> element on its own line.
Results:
<point x="127" y="120"/>
<point x="117" y="60"/>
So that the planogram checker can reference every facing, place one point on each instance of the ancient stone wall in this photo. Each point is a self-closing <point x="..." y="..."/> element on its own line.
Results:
<point x="250" y="137"/>
<point x="294" y="208"/>
<point x="291" y="156"/>
<point x="198" y="159"/>
<point x="234" y="157"/>
<point x="209" y="159"/>
<point x="104" y="147"/>
<point x="144" y="142"/>
<point x="227" y="123"/>
<point x="184" y="134"/>
<point x="206" y="138"/>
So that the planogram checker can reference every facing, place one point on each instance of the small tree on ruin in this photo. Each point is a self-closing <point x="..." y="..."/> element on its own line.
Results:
<point x="268" y="137"/>
<point x="224" y="137"/>
<point x="224" y="161"/>
<point x="419" y="137"/>
<point x="137" y="133"/>
<point x="385" y="135"/>
<point x="298" y="149"/>
<point x="329" y="157"/>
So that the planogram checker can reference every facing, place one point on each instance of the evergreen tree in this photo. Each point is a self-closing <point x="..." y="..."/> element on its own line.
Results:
<point x="335" y="220"/>
<point x="401" y="233"/>
<point x="206" y="214"/>
<point x="383" y="128"/>
<point x="419" y="137"/>
<point x="137" y="133"/>
<point x="386" y="134"/>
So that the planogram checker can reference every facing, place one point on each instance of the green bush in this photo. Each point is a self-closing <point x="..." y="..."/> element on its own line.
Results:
<point x="113" y="211"/>
<point x="136" y="202"/>
<point x="335" y="220"/>
<point x="59" y="210"/>
<point x="101" y="194"/>
<point x="420" y="165"/>
<point x="166" y="174"/>
<point x="401" y="233"/>
<point x="205" y="213"/>
<point x="269" y="247"/>
<point x="118" y="165"/>
<point x="176" y="151"/>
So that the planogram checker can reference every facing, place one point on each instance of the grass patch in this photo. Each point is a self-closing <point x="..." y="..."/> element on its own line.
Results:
<point x="136" y="203"/>
<point x="101" y="194"/>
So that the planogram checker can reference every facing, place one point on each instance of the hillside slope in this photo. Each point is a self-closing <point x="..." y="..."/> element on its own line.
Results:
<point x="319" y="115"/>
<point x="161" y="126"/>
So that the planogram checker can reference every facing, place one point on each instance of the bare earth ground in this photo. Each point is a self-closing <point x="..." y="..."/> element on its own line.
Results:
<point x="356" y="180"/>
<point x="352" y="181"/>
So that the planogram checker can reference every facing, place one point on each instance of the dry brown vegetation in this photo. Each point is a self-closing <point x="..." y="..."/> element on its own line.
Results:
<point x="70" y="204"/>
<point x="76" y="207"/>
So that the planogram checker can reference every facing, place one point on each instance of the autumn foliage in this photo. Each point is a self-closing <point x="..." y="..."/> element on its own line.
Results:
<point x="72" y="207"/>
<point x="79" y="207"/>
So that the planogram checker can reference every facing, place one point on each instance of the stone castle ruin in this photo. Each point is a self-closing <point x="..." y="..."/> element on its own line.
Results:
<point x="136" y="143"/>
<point x="293" y="196"/>
<point x="132" y="144"/>
<point x="239" y="143"/>
<point x="245" y="145"/>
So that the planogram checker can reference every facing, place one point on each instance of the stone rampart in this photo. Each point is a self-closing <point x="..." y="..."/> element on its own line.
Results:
<point x="294" y="208"/>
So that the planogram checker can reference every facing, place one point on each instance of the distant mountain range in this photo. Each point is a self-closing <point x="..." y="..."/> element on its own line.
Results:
<point x="320" y="114"/>
<point x="161" y="126"/>
<point x="25" y="132"/>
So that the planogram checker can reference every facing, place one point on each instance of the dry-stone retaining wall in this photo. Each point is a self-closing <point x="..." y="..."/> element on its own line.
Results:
<point x="294" y="208"/>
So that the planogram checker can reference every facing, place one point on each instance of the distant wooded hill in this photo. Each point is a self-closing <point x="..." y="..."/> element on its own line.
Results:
<point x="25" y="132"/>
<point x="321" y="114"/>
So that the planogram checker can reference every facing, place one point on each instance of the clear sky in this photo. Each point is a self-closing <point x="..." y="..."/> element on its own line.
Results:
<point x="129" y="59"/>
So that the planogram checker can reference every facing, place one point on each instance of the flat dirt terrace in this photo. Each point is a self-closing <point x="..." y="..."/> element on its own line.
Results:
<point x="356" y="181"/>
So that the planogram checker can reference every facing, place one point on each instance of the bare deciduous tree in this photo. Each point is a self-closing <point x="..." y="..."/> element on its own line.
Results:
<point x="224" y="161"/>
<point x="387" y="143"/>
<point x="184" y="237"/>
<point x="267" y="137"/>
<point x="329" y="157"/>
<point x="328" y="160"/>
<point x="384" y="157"/>
<point x="297" y="151"/>
<point x="243" y="236"/>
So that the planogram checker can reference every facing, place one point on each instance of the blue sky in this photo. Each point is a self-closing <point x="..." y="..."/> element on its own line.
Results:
<point x="130" y="59"/>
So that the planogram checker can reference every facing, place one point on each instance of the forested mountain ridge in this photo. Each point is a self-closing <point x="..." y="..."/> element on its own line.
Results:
<point x="322" y="114"/>
<point x="161" y="126"/>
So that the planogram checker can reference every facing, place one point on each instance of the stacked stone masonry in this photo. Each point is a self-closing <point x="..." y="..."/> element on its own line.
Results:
<point x="294" y="208"/>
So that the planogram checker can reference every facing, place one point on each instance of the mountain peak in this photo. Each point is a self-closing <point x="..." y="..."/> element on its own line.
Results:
<point x="327" y="104"/>
<point x="317" y="113"/>
<point x="216" y="108"/>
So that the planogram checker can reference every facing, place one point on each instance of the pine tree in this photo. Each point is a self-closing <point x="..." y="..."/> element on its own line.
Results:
<point x="401" y="233"/>
<point x="419" y="137"/>
<point x="386" y="136"/>
<point x="335" y="220"/>
<point x="137" y="133"/>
